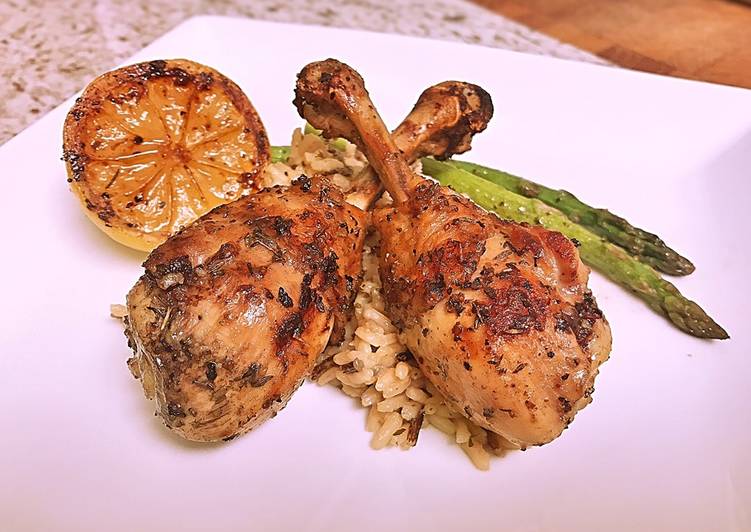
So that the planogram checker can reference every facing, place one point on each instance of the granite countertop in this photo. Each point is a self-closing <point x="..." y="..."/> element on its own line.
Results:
<point x="51" y="49"/>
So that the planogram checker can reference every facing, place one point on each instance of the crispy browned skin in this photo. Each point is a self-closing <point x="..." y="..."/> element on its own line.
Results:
<point x="498" y="314"/>
<point x="233" y="311"/>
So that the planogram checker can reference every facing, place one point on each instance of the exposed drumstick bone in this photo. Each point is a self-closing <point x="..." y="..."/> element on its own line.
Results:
<point x="332" y="97"/>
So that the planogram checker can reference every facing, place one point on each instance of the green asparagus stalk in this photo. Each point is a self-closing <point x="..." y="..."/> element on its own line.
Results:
<point x="609" y="259"/>
<point x="279" y="154"/>
<point x="645" y="246"/>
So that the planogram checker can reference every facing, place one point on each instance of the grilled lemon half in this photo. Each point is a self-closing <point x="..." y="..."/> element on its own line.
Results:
<point x="152" y="146"/>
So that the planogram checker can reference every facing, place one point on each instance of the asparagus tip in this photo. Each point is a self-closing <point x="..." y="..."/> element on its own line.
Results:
<point x="669" y="262"/>
<point x="691" y="318"/>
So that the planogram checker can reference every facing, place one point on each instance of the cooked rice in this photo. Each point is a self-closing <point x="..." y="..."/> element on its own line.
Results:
<point x="372" y="365"/>
<point x="311" y="155"/>
<point x="118" y="311"/>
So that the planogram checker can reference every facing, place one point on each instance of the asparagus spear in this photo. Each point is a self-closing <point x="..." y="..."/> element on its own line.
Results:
<point x="645" y="246"/>
<point x="279" y="154"/>
<point x="611" y="260"/>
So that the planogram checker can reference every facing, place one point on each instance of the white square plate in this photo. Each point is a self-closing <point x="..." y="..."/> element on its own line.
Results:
<point x="665" y="445"/>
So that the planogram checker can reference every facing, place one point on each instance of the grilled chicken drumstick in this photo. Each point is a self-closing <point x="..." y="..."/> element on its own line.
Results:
<point x="497" y="314"/>
<point x="233" y="311"/>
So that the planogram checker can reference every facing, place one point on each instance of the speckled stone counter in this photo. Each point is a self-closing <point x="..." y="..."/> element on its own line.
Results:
<point x="52" y="48"/>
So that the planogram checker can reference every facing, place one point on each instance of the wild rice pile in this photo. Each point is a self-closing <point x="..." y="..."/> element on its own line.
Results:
<point x="372" y="365"/>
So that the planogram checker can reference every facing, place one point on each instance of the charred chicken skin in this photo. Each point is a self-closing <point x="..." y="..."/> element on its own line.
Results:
<point x="233" y="311"/>
<point x="497" y="314"/>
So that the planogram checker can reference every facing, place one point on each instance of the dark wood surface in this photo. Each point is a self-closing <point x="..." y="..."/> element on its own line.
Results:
<point x="708" y="40"/>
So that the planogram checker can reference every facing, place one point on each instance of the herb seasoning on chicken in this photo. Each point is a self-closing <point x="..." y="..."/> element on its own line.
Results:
<point x="213" y="346"/>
